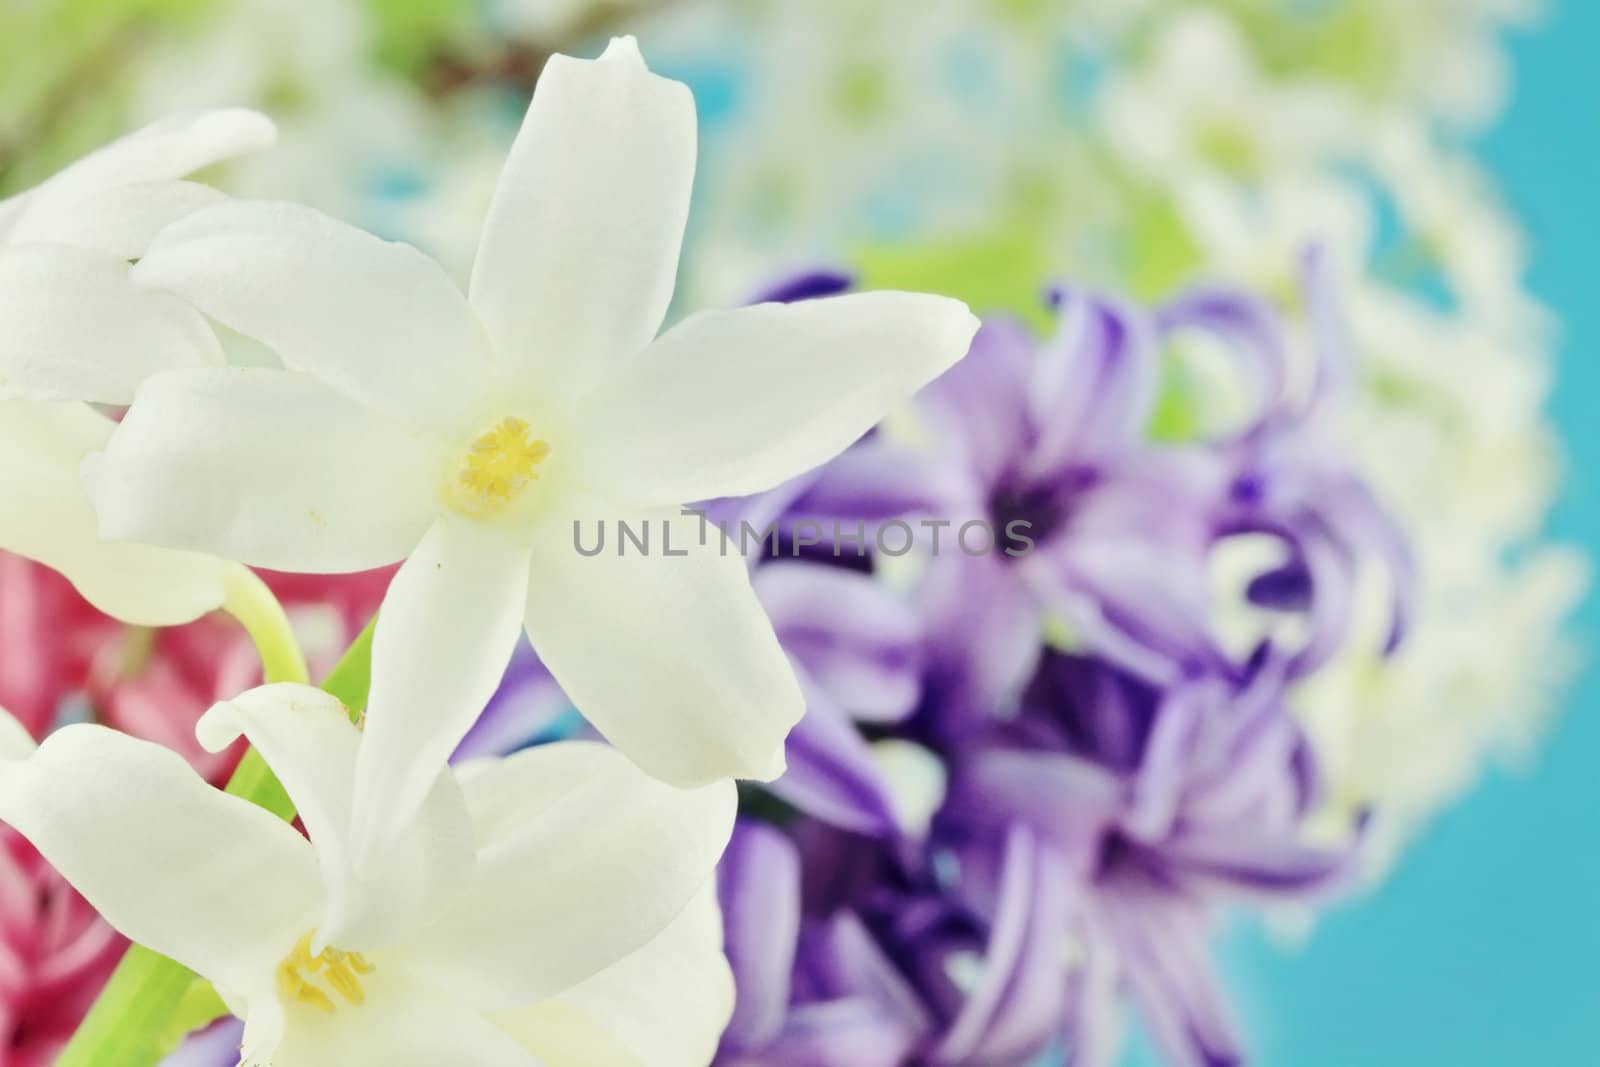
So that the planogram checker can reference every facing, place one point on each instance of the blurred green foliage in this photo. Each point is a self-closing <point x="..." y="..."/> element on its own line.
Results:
<point x="409" y="33"/>
<point x="999" y="271"/>
<point x="61" y="63"/>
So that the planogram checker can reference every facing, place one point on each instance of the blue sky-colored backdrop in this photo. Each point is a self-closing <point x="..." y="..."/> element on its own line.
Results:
<point x="1484" y="948"/>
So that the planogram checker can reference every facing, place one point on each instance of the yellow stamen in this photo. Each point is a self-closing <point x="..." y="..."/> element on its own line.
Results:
<point x="498" y="465"/>
<point x="338" y="970"/>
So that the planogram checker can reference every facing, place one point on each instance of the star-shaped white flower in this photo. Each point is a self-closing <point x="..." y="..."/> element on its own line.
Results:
<point x="73" y="327"/>
<point x="468" y="435"/>
<point x="554" y="909"/>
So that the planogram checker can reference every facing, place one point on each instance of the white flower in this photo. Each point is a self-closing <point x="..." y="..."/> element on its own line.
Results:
<point x="581" y="928"/>
<point x="1200" y="103"/>
<point x="469" y="435"/>
<point x="73" y="328"/>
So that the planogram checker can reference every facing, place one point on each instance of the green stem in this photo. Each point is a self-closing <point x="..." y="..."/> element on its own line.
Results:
<point x="129" y="1018"/>
<point x="250" y="601"/>
<point x="130" y="1024"/>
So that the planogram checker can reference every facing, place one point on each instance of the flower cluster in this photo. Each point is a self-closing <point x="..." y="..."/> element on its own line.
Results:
<point x="1027" y="783"/>
<point x="1140" y="145"/>
<point x="1145" y="145"/>
<point x="305" y="396"/>
<point x="1032" y="643"/>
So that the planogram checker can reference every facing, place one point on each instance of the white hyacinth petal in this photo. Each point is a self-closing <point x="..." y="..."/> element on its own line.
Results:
<point x="120" y="221"/>
<point x="665" y="1005"/>
<point x="73" y="327"/>
<point x="707" y="691"/>
<point x="214" y="882"/>
<point x="49" y="519"/>
<point x="582" y="860"/>
<point x="162" y="151"/>
<point x="580" y="248"/>
<point x="405" y="1022"/>
<point x="266" y="467"/>
<point x="444" y="636"/>
<point x="307" y="737"/>
<point x="729" y="403"/>
<point x="378" y="321"/>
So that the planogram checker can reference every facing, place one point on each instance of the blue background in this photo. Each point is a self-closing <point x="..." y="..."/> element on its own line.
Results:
<point x="1483" y="950"/>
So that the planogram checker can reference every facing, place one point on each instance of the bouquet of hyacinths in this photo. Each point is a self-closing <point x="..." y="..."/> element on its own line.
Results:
<point x="975" y="149"/>
<point x="1032" y="644"/>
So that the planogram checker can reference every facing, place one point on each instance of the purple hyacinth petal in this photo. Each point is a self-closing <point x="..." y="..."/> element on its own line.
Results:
<point x="805" y="285"/>
<point x="979" y="407"/>
<point x="1068" y="801"/>
<point x="1157" y="788"/>
<point x="1332" y="576"/>
<point x="215" y="1046"/>
<point x="758" y="883"/>
<point x="1130" y="573"/>
<point x="831" y="773"/>
<point x="858" y="641"/>
<point x="1368" y="527"/>
<point x="984" y="638"/>
<point x="1017" y="1005"/>
<point x="1095" y="1026"/>
<point x="877" y="481"/>
<point x="847" y="1032"/>
<point x="1245" y="774"/>
<point x="740" y="524"/>
<point x="1162" y="939"/>
<point x="1133" y="602"/>
<point x="1093" y="385"/>
<point x="1222" y="861"/>
<point x="1250" y="327"/>
<point x="839" y="959"/>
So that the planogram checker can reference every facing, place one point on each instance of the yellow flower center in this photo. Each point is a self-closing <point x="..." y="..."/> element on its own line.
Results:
<point x="315" y="980"/>
<point x="498" y="465"/>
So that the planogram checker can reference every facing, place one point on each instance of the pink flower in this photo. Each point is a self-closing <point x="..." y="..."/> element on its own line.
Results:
<point x="55" y="954"/>
<point x="48" y="638"/>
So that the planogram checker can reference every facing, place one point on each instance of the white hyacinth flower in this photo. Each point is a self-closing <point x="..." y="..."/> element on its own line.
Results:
<point x="72" y="324"/>
<point x="554" y="909"/>
<point x="470" y="435"/>
<point x="74" y="328"/>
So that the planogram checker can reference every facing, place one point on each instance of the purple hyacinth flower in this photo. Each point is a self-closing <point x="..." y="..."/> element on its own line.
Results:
<point x="1164" y="802"/>
<point x="1048" y="440"/>
<point x="1292" y="478"/>
<point x="847" y="953"/>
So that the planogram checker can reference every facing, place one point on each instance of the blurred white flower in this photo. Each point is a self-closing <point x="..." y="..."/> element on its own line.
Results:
<point x="553" y="908"/>
<point x="74" y="328"/>
<point x="471" y="436"/>
<point x="1199" y="103"/>
<point x="345" y="127"/>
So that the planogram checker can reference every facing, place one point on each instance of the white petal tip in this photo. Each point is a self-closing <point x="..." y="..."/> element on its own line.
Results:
<point x="963" y="324"/>
<point x="219" y="727"/>
<point x="246" y="129"/>
<point x="773" y="768"/>
<point x="623" y="49"/>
